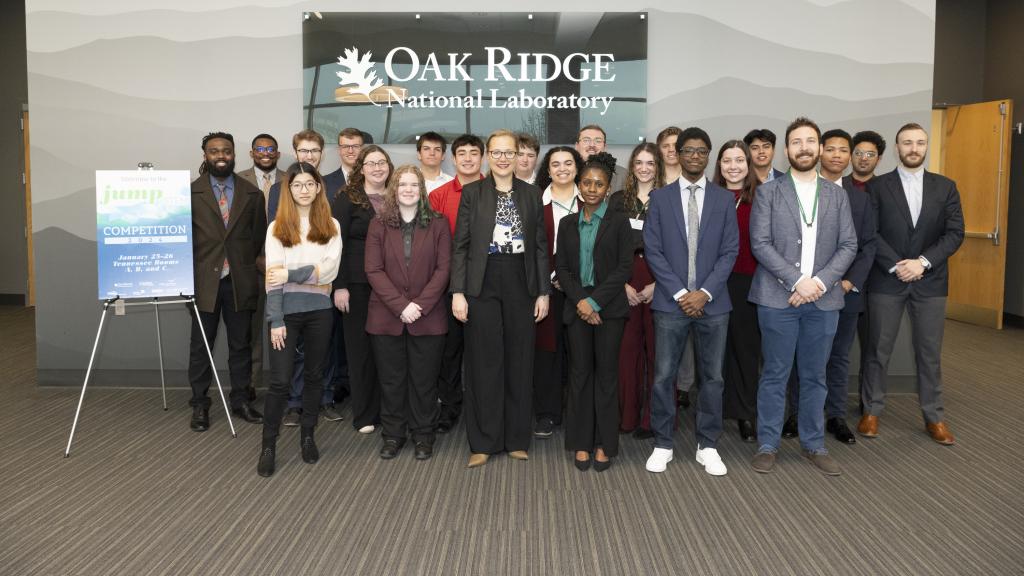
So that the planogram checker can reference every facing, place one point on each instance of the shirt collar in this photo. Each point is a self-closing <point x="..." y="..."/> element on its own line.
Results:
<point x="598" y="214"/>
<point x="702" y="183"/>
<point x="546" y="197"/>
<point x="908" y="175"/>
<point x="229" y="183"/>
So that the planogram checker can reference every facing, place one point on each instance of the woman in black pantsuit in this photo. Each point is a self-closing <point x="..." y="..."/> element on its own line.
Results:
<point x="500" y="288"/>
<point x="356" y="205"/>
<point x="594" y="261"/>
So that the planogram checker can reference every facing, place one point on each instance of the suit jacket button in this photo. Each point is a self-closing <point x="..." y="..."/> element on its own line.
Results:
<point x="797" y="264"/>
<point x="798" y="241"/>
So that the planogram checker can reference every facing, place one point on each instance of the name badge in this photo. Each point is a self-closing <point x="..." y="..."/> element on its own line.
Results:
<point x="636" y="224"/>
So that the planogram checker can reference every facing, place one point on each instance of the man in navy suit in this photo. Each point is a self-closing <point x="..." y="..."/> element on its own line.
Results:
<point x="691" y="240"/>
<point x="802" y="235"/>
<point x="761" y="142"/>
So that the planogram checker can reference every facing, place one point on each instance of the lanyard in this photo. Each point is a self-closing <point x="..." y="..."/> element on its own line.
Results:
<point x="814" y="210"/>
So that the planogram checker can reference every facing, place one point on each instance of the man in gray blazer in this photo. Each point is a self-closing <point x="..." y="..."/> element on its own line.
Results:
<point x="802" y="235"/>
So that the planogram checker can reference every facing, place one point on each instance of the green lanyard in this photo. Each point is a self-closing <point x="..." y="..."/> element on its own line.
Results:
<point x="814" y="210"/>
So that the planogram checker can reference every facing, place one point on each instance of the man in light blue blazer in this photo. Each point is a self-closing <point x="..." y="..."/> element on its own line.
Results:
<point x="690" y="242"/>
<point x="803" y="237"/>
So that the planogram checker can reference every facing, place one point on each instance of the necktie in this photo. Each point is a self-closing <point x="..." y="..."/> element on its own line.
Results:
<point x="692" y="228"/>
<point x="266" y="185"/>
<point x="225" y="214"/>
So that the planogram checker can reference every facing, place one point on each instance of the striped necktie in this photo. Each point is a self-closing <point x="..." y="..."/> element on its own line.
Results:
<point x="225" y="214"/>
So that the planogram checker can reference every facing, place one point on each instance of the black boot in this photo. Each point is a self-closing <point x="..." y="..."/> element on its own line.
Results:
<point x="310" y="453"/>
<point x="268" y="454"/>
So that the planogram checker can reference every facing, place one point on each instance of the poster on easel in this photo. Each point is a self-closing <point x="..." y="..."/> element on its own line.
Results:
<point x="143" y="233"/>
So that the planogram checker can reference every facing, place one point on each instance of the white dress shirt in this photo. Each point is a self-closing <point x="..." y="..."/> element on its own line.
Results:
<point x="559" y="210"/>
<point x="805" y="192"/>
<point x="684" y="197"/>
<point x="913" y="187"/>
<point x="441" y="180"/>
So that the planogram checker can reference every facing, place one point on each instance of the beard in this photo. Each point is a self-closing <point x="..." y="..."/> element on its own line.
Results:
<point x="224" y="172"/>
<point x="909" y="163"/>
<point x="804" y="161"/>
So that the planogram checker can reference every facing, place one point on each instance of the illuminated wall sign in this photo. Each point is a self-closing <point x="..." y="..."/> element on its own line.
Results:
<point x="397" y="75"/>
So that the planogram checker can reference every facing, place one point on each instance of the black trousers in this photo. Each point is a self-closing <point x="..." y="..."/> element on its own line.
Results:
<point x="407" y="367"/>
<point x="340" y="375"/>
<point x="449" y="379"/>
<point x="549" y="367"/>
<point x="362" y="368"/>
<point x="592" y="418"/>
<point x="314" y="329"/>
<point x="238" y="324"/>
<point x="742" y="352"/>
<point x="499" y="359"/>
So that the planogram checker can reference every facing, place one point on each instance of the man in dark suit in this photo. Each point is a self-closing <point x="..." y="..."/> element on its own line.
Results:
<point x="835" y="159"/>
<point x="920" y="225"/>
<point x="803" y="237"/>
<point x="761" y="142"/>
<point x="229" y="225"/>
<point x="690" y="241"/>
<point x="350" y="143"/>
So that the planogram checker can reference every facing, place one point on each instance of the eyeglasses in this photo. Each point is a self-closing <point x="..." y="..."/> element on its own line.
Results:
<point x="701" y="152"/>
<point x="508" y="154"/>
<point x="594" y="141"/>
<point x="864" y="154"/>
<point x="308" y="151"/>
<point x="265" y="149"/>
<point x="349" y="147"/>
<point x="309" y="185"/>
<point x="377" y="164"/>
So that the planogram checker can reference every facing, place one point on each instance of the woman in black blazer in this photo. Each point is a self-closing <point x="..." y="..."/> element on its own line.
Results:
<point x="594" y="262"/>
<point x="355" y="207"/>
<point x="499" y="288"/>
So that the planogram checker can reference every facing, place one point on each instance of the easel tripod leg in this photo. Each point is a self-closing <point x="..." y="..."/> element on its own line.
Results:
<point x="88" y="371"/>
<point x="213" y="368"/>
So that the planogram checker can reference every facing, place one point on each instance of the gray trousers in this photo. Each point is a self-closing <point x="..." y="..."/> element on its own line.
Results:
<point x="927" y="320"/>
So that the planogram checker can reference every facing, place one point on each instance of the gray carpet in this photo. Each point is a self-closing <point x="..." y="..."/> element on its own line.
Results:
<point x="141" y="494"/>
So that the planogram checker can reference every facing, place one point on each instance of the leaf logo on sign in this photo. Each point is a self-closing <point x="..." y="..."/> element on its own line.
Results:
<point x="360" y="73"/>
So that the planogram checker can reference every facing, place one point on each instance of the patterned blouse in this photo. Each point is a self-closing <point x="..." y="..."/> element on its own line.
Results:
<point x="507" y="237"/>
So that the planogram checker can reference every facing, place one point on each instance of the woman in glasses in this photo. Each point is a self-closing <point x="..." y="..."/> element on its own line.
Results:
<point x="357" y="203"/>
<point x="500" y="287"/>
<point x="303" y="251"/>
<point x="636" y="355"/>
<point x="408" y="257"/>
<point x="557" y="177"/>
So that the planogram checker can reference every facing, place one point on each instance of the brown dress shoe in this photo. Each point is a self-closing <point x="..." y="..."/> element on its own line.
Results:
<point x="519" y="455"/>
<point x="940" y="433"/>
<point x="868" y="426"/>
<point x="477" y="460"/>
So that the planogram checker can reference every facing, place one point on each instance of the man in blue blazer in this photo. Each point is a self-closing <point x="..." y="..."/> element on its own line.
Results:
<point x="802" y="235"/>
<point x="691" y="240"/>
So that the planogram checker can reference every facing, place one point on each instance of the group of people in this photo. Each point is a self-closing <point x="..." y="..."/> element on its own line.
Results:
<point x="571" y="286"/>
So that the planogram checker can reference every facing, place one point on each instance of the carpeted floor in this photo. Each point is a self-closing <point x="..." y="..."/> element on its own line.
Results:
<point x="141" y="494"/>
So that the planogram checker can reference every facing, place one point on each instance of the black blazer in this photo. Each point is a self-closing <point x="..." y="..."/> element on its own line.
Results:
<point x="355" y="224"/>
<point x="613" y="264"/>
<point x="864" y="224"/>
<point x="474" y="228"/>
<point x="937" y="236"/>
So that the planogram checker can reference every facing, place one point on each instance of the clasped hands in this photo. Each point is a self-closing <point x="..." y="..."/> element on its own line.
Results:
<point x="460" y="307"/>
<point x="909" y="270"/>
<point x="587" y="313"/>
<point x="636" y="297"/>
<point x="692" y="303"/>
<point x="806" y="290"/>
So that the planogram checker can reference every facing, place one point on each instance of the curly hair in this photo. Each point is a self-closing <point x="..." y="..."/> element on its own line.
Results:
<point x="543" y="174"/>
<point x="355" y="187"/>
<point x="390" y="214"/>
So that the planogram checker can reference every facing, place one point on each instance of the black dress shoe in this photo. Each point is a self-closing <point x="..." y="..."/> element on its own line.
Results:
<point x="602" y="466"/>
<point x="200" y="419"/>
<point x="265" y="467"/>
<point x="790" y="428"/>
<point x="424" y="451"/>
<point x="838" y="428"/>
<point x="390" y="449"/>
<point x="247" y="413"/>
<point x="582" y="465"/>
<point x="310" y="453"/>
<point x="747" y="432"/>
<point x="444" y="426"/>
<point x="683" y="398"/>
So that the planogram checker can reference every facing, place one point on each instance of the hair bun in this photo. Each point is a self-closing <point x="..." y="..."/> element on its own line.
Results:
<point x="605" y="159"/>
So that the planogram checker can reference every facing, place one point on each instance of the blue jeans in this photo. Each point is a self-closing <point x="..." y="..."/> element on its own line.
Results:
<point x="670" y="334"/>
<point x="807" y="333"/>
<point x="837" y="373"/>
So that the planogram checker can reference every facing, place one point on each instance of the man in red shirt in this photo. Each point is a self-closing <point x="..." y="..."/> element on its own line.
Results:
<point x="468" y="154"/>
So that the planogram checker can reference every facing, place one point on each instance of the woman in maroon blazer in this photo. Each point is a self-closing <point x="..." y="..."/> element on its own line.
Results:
<point x="408" y="259"/>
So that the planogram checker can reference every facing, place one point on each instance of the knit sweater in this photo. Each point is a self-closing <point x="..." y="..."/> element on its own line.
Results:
<point x="311" y="269"/>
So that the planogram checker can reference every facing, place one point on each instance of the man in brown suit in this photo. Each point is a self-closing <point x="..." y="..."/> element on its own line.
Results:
<point x="229" y="225"/>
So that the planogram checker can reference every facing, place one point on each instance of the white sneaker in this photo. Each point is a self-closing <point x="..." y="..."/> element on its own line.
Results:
<point x="711" y="461"/>
<point x="368" y="429"/>
<point x="659" y="459"/>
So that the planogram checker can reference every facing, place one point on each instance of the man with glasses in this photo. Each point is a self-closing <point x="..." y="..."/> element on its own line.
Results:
<point x="229" y="226"/>
<point x="430" y="149"/>
<point x="761" y="142"/>
<point x="468" y="154"/>
<point x="526" y="160"/>
<point x="691" y="240"/>
<point x="868" y="147"/>
<point x="591" y="140"/>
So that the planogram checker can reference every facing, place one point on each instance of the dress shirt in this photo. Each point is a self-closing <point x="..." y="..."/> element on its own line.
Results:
<point x="559" y="211"/>
<point x="588" y="236"/>
<point x="229" y="188"/>
<point x="684" y="196"/>
<point x="264" y="180"/>
<point x="809" y="235"/>
<point x="441" y="179"/>
<point x="913" y="187"/>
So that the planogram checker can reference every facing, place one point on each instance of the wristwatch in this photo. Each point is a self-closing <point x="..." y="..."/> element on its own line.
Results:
<point x="924" y="262"/>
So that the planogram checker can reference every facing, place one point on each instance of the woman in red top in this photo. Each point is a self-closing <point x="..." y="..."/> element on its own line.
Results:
<point x="743" y="344"/>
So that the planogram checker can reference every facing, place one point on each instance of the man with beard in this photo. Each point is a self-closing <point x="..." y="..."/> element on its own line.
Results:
<point x="229" y="225"/>
<point x="868" y="148"/>
<point x="803" y="237"/>
<point x="920" y="225"/>
<point x="591" y="140"/>
<point x="834" y="160"/>
<point x="761" y="142"/>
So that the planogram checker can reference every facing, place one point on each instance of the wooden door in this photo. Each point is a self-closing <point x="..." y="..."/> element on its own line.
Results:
<point x="975" y="153"/>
